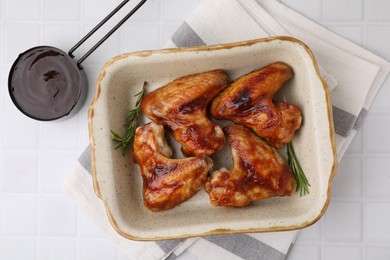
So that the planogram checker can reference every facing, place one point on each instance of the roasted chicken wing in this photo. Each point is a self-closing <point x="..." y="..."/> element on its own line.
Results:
<point x="258" y="172"/>
<point x="180" y="106"/>
<point x="166" y="182"/>
<point x="248" y="101"/>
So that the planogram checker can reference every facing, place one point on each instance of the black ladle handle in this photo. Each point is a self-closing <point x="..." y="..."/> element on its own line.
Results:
<point x="105" y="37"/>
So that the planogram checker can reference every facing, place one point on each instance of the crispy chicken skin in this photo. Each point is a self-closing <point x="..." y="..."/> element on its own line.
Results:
<point x="180" y="107"/>
<point x="258" y="172"/>
<point x="248" y="101"/>
<point x="166" y="182"/>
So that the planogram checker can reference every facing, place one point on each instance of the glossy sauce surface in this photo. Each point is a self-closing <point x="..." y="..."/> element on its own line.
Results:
<point x="258" y="172"/>
<point x="45" y="83"/>
<point x="249" y="101"/>
<point x="167" y="182"/>
<point x="180" y="106"/>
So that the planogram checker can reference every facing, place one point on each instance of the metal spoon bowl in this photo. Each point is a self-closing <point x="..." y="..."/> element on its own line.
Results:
<point x="46" y="83"/>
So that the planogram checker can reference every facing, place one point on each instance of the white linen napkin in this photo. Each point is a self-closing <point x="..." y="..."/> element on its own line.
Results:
<point x="359" y="75"/>
<point x="215" y="22"/>
<point x="78" y="185"/>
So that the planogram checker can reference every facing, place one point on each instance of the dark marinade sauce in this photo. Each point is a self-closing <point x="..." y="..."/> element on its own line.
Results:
<point x="45" y="83"/>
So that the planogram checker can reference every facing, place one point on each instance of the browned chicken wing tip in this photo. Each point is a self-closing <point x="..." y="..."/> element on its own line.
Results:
<point x="166" y="182"/>
<point x="180" y="107"/>
<point x="248" y="101"/>
<point x="258" y="172"/>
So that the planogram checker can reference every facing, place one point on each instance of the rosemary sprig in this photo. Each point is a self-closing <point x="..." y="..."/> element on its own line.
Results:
<point x="302" y="182"/>
<point x="131" y="124"/>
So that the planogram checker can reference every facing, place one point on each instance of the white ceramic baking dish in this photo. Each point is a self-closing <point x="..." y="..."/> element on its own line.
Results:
<point x="117" y="179"/>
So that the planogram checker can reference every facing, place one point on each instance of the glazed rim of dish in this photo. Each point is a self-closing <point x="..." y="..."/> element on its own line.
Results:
<point x="200" y="49"/>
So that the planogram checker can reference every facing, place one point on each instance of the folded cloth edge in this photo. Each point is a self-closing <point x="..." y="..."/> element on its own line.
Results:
<point x="369" y="102"/>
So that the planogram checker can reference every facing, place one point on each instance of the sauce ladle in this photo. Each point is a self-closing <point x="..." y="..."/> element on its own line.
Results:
<point x="46" y="83"/>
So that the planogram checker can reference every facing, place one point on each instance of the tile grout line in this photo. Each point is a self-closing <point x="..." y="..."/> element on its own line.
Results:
<point x="2" y="32"/>
<point x="2" y="66"/>
<point x="162" y="26"/>
<point x="121" y="37"/>
<point x="2" y="12"/>
<point x="78" y="114"/>
<point x="2" y="105"/>
<point x="174" y="22"/>
<point x="323" y="225"/>
<point x="362" y="184"/>
<point x="40" y="150"/>
<point x="343" y="244"/>
<point x="364" y="166"/>
<point x="81" y="34"/>
<point x="361" y="199"/>
<point x="108" y="23"/>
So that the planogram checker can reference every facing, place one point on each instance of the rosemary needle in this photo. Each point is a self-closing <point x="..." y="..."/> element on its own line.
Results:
<point x="131" y="124"/>
<point x="302" y="182"/>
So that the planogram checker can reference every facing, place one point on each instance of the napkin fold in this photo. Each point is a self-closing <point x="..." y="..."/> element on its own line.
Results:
<point x="357" y="73"/>
<point x="346" y="64"/>
<point x="78" y="185"/>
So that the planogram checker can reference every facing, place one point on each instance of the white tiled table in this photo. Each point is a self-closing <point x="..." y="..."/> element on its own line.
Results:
<point x="38" y="221"/>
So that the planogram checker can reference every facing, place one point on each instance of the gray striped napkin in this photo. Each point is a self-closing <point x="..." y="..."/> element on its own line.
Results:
<point x="78" y="186"/>
<point x="215" y="22"/>
<point x="359" y="75"/>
